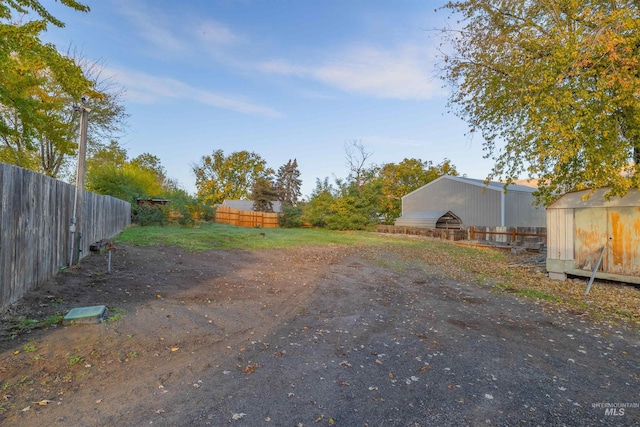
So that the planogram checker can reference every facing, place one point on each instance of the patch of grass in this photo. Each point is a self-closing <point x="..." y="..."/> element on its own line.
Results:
<point x="58" y="301"/>
<point x="118" y="314"/>
<point x="27" y="324"/>
<point x="224" y="236"/>
<point x="29" y="348"/>
<point x="76" y="360"/>
<point x="54" y="319"/>
<point x="24" y="381"/>
<point x="527" y="292"/>
<point x="625" y="314"/>
<point x="532" y="293"/>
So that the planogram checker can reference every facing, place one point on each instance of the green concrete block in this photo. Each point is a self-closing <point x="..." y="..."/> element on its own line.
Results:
<point x="92" y="314"/>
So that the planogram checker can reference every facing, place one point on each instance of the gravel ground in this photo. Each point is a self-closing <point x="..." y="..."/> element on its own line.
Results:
<point x="311" y="337"/>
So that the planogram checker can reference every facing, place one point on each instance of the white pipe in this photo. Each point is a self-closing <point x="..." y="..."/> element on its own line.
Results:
<point x="502" y="208"/>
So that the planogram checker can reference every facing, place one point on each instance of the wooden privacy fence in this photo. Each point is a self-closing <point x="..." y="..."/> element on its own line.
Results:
<point x="232" y="216"/>
<point x="35" y="216"/>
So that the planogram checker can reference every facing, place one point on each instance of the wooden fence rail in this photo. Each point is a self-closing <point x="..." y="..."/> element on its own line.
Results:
<point x="228" y="215"/>
<point x="439" y="233"/>
<point x="530" y="237"/>
<point x="34" y="228"/>
<point x="514" y="236"/>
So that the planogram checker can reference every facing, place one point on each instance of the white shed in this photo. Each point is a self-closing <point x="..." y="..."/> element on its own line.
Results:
<point x="475" y="203"/>
<point x="580" y="231"/>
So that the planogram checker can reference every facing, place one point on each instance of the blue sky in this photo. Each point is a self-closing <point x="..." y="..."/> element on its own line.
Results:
<point x="282" y="78"/>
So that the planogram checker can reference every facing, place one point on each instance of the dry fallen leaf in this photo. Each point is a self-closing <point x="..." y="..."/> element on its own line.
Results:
<point x="175" y="348"/>
<point x="424" y="368"/>
<point x="379" y="362"/>
<point x="250" y="368"/>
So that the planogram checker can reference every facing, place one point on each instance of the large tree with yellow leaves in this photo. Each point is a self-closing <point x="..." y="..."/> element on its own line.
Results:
<point x="553" y="86"/>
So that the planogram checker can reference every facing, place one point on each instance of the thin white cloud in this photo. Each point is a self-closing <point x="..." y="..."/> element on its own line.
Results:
<point x="213" y="32"/>
<point x="147" y="89"/>
<point x="402" y="73"/>
<point x="176" y="36"/>
<point x="284" y="68"/>
<point x="152" y="27"/>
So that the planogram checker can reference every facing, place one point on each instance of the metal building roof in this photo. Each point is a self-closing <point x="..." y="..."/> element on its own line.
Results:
<point x="492" y="185"/>
<point x="247" y="205"/>
<point x="578" y="199"/>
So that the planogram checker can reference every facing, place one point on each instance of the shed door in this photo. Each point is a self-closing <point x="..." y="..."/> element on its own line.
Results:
<point x="624" y="245"/>
<point x="616" y="228"/>
<point x="590" y="236"/>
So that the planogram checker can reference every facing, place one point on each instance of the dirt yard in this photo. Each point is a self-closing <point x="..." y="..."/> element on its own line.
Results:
<point x="315" y="336"/>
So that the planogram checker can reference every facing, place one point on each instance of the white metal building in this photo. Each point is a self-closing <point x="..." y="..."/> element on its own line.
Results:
<point x="473" y="202"/>
<point x="581" y="231"/>
<point x="247" y="205"/>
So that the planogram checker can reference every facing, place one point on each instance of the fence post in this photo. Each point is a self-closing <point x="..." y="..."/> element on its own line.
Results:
<point x="513" y="236"/>
<point x="472" y="233"/>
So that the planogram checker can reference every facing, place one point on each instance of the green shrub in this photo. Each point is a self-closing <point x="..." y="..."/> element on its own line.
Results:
<point x="151" y="214"/>
<point x="290" y="217"/>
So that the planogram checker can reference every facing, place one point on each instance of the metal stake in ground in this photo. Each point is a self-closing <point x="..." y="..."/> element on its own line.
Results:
<point x="110" y="247"/>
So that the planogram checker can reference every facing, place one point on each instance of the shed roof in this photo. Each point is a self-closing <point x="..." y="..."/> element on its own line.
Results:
<point x="575" y="199"/>
<point x="492" y="185"/>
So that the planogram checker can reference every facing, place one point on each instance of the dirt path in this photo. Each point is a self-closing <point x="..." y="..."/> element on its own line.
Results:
<point x="312" y="336"/>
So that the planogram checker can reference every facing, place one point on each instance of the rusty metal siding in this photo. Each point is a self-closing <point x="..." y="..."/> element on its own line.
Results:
<point x="624" y="241"/>
<point x="579" y="228"/>
<point x="617" y="230"/>
<point x="560" y="234"/>
<point x="520" y="211"/>
<point x="590" y="236"/>
<point x="473" y="204"/>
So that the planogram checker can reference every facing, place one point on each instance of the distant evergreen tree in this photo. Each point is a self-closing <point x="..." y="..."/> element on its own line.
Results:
<point x="263" y="194"/>
<point x="288" y="183"/>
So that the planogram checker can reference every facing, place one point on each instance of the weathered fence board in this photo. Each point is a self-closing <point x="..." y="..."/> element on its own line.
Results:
<point x="513" y="236"/>
<point x="228" y="215"/>
<point x="438" y="233"/>
<point x="529" y="237"/>
<point x="34" y="227"/>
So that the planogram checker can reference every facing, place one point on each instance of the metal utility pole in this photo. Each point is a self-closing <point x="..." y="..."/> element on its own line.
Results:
<point x="77" y="202"/>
